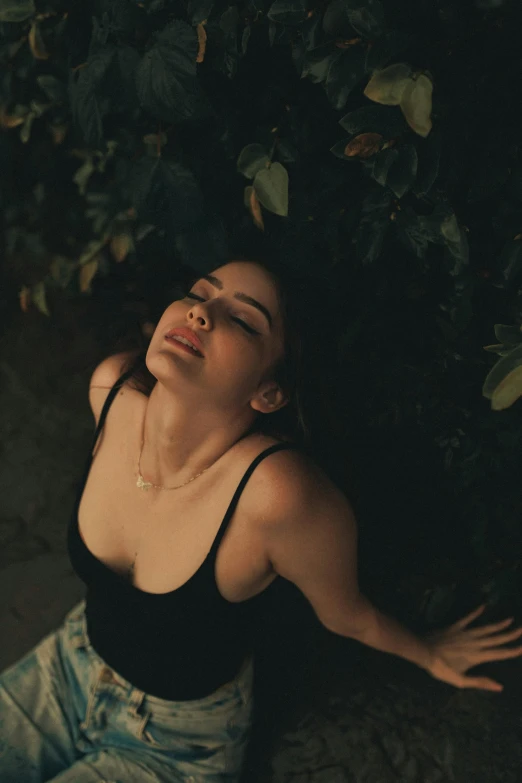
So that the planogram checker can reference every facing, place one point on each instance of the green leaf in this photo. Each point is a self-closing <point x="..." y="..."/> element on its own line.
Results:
<point x="499" y="349"/>
<point x="508" y="391"/>
<point x="345" y="71"/>
<point x="373" y="225"/>
<point x="336" y="23"/>
<point x="510" y="264"/>
<point x="388" y="85"/>
<point x="286" y="151"/>
<point x="53" y="87"/>
<point x="386" y="120"/>
<point x="245" y="38"/>
<point x="501" y="370"/>
<point x="25" y="130"/>
<point x="380" y="164"/>
<point x="291" y="12"/>
<point x="251" y="159"/>
<point x="339" y="148"/>
<point x="456" y="242"/>
<point x="416" y="232"/>
<point x="62" y="270"/>
<point x="415" y="103"/>
<point x="228" y="24"/>
<point x="83" y="174"/>
<point x="403" y="170"/>
<point x="271" y="186"/>
<point x="165" y="193"/>
<point x="386" y="48"/>
<point x="317" y="63"/>
<point x="428" y="152"/>
<point x="509" y="335"/>
<point x="123" y="83"/>
<point x="311" y="32"/>
<point x="166" y="80"/>
<point x="86" y="95"/>
<point x="16" y="10"/>
<point x="366" y="17"/>
<point x="199" y="10"/>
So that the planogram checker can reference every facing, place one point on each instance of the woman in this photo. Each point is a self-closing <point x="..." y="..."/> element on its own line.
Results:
<point x="188" y="511"/>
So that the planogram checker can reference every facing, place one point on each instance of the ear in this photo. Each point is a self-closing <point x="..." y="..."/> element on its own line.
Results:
<point x="269" y="400"/>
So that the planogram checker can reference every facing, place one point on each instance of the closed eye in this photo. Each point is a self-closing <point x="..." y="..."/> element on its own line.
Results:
<point x="234" y="318"/>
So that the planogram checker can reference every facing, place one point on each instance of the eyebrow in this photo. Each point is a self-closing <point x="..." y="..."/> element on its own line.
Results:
<point x="239" y="295"/>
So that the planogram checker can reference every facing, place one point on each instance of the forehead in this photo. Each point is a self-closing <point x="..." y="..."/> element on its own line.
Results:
<point x="251" y="279"/>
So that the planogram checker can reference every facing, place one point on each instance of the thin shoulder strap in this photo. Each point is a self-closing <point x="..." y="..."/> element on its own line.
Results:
<point x="107" y="404"/>
<point x="253" y="465"/>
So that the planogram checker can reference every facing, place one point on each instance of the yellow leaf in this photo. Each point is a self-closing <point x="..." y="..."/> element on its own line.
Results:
<point x="92" y="249"/>
<point x="346" y="44"/>
<point x="364" y="145"/>
<point x="36" y="42"/>
<point x="202" y="40"/>
<point x="155" y="139"/>
<point x="11" y="120"/>
<point x="25" y="298"/>
<point x="388" y="84"/>
<point x="121" y="245"/>
<point x="254" y="207"/>
<point x="38" y="297"/>
<point x="416" y="104"/>
<point x="87" y="272"/>
<point x="508" y="391"/>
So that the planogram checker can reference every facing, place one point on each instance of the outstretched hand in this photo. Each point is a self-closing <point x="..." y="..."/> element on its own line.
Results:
<point x="455" y="650"/>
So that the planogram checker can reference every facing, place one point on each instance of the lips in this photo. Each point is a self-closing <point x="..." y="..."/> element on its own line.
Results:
<point x="189" y="335"/>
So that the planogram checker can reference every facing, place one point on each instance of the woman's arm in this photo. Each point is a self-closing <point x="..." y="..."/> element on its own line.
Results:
<point x="311" y="539"/>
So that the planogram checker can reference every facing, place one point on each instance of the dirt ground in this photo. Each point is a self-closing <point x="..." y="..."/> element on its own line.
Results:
<point x="328" y="710"/>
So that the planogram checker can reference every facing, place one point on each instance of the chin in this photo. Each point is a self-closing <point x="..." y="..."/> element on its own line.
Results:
<point x="151" y="359"/>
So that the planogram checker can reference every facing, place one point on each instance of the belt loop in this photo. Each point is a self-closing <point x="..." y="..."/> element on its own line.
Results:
<point x="90" y="702"/>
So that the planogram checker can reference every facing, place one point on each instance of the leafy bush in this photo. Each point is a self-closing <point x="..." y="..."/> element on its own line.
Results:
<point x="377" y="142"/>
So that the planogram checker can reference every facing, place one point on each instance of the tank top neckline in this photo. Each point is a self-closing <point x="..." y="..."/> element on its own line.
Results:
<point x="210" y="558"/>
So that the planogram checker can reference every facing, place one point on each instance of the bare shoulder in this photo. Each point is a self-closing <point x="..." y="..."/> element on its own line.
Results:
<point x="289" y="481"/>
<point x="310" y="537"/>
<point x="103" y="379"/>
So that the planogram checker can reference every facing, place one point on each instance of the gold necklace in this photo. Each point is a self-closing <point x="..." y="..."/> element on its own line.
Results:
<point x="142" y="484"/>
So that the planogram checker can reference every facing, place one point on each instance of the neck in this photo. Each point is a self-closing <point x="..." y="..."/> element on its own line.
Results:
<point x="182" y="439"/>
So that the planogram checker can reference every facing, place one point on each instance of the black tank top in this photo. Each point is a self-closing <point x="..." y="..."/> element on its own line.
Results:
<point x="180" y="645"/>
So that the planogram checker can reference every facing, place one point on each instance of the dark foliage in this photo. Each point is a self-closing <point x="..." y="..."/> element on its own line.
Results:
<point x="377" y="145"/>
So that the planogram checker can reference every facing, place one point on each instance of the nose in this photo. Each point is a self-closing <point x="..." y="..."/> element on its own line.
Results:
<point x="201" y="318"/>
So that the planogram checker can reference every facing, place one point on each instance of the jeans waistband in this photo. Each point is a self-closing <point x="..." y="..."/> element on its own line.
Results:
<point x="75" y="627"/>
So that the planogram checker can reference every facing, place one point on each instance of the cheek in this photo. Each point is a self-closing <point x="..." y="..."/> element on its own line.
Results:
<point x="174" y="315"/>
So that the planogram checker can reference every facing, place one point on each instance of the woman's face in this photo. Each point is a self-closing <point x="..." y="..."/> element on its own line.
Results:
<point x="240" y="341"/>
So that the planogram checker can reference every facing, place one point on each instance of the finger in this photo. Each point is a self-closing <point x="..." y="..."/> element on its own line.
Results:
<point x="468" y="618"/>
<point x="483" y="683"/>
<point x="501" y="638"/>
<point x="498" y="655"/>
<point x="476" y="633"/>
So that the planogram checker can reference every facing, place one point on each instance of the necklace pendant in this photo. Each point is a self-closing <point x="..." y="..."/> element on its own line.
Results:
<point x="143" y="484"/>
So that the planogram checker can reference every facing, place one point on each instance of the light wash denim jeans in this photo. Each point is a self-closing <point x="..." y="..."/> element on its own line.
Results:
<point x="66" y="716"/>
